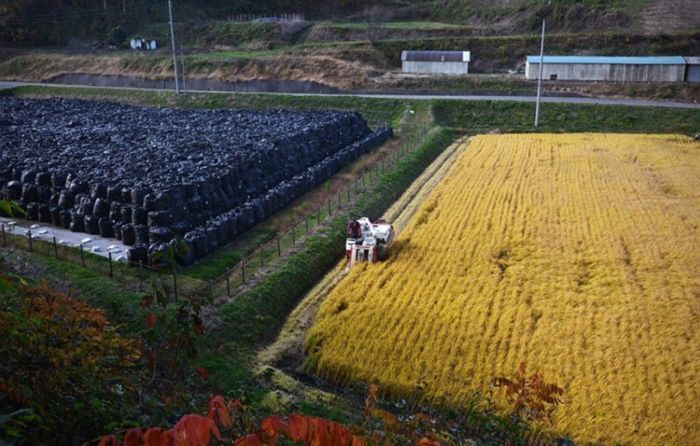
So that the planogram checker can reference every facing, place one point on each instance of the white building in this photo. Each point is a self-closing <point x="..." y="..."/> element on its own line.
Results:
<point x="604" y="68"/>
<point x="435" y="62"/>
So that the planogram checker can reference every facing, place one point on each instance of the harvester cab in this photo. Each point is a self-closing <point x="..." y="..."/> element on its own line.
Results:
<point x="367" y="241"/>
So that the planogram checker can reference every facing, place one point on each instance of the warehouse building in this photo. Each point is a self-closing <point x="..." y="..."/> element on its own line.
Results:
<point x="692" y="69"/>
<point x="435" y="62"/>
<point x="604" y="68"/>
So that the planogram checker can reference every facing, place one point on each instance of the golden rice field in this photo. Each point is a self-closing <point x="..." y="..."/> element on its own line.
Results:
<point x="577" y="253"/>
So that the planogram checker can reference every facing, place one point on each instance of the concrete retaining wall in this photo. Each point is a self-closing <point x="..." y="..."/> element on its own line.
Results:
<point x="283" y="86"/>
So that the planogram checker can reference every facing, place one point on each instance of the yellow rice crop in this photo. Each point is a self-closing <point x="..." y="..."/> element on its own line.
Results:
<point x="578" y="253"/>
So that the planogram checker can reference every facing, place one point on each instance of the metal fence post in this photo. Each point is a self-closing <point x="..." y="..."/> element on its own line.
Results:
<point x="175" y="284"/>
<point x="349" y="187"/>
<point x="109" y="257"/>
<point x="262" y="257"/>
<point x="330" y="211"/>
<point x="279" y="247"/>
<point x="293" y="234"/>
<point x="243" y="271"/>
<point x="29" y="234"/>
<point x="82" y="256"/>
<point x="55" y="247"/>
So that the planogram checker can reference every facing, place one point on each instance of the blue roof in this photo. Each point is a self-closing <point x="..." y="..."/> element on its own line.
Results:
<point x="634" y="60"/>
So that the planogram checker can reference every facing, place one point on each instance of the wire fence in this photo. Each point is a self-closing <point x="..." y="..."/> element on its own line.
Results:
<point x="143" y="277"/>
<point x="258" y="17"/>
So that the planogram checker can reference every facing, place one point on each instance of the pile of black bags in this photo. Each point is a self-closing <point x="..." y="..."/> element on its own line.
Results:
<point x="149" y="176"/>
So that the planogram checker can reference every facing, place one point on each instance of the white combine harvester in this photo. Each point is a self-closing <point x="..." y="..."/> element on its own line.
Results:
<point x="367" y="241"/>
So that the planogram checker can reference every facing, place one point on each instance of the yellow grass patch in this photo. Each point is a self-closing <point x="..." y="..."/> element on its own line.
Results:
<point x="579" y="254"/>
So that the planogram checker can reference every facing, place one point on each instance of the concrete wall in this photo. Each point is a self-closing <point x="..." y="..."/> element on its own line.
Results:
<point x="608" y="72"/>
<point x="435" y="67"/>
<point x="283" y="86"/>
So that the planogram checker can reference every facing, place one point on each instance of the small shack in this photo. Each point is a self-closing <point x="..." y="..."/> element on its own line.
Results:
<point x="139" y="43"/>
<point x="435" y="62"/>
<point x="608" y="68"/>
<point x="692" y="69"/>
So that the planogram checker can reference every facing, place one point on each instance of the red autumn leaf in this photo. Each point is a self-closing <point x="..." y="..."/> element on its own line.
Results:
<point x="357" y="441"/>
<point x="298" y="427"/>
<point x="194" y="430"/>
<point x="274" y="426"/>
<point x="108" y="440"/>
<point x="427" y="442"/>
<point x="255" y="439"/>
<point x="219" y="412"/>
<point x="156" y="437"/>
<point x="340" y="435"/>
<point x="201" y="371"/>
<point x="150" y="320"/>
<point x="321" y="435"/>
<point x="133" y="437"/>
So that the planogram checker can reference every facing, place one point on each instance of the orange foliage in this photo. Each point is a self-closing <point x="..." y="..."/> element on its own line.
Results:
<point x="56" y="349"/>
<point x="193" y="430"/>
<point x="530" y="394"/>
<point x="219" y="412"/>
<point x="197" y="430"/>
<point x="190" y="430"/>
<point x="311" y="431"/>
<point x="156" y="437"/>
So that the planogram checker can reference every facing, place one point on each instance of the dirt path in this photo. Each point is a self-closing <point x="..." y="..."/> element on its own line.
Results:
<point x="288" y="349"/>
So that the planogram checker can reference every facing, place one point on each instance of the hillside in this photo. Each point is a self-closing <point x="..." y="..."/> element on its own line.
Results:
<point x="51" y="23"/>
<point x="342" y="45"/>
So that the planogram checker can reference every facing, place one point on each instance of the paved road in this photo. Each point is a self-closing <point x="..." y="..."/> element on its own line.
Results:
<point x="550" y="99"/>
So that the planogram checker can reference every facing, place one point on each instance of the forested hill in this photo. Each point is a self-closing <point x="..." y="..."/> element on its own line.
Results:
<point x="55" y="22"/>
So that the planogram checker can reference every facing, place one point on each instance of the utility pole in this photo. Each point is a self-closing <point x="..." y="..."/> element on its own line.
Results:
<point x="539" y="77"/>
<point x="182" y="61"/>
<point x="172" y="39"/>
